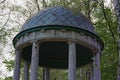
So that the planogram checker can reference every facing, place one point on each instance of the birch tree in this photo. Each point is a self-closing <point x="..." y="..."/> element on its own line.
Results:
<point x="117" y="11"/>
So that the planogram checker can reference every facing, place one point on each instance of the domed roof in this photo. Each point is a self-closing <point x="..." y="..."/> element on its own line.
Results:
<point x="58" y="16"/>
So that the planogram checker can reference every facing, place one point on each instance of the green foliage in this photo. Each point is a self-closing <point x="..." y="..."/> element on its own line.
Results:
<point x="109" y="58"/>
<point x="8" y="78"/>
<point x="59" y="74"/>
<point x="9" y="64"/>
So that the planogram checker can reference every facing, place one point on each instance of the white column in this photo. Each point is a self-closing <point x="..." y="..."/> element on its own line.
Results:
<point x="26" y="71"/>
<point x="17" y="64"/>
<point x="97" y="73"/>
<point x="72" y="61"/>
<point x="47" y="74"/>
<point x="34" y="61"/>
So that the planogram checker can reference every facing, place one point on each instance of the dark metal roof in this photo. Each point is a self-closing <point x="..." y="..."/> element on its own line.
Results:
<point x="58" y="16"/>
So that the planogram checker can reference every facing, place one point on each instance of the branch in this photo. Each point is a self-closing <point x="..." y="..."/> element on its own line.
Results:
<point x="108" y="23"/>
<point x="2" y="1"/>
<point x="37" y="5"/>
<point x="89" y="10"/>
<point x="44" y="4"/>
<point x="7" y="20"/>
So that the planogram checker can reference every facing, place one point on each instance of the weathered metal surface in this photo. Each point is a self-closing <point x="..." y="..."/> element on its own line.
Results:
<point x="58" y="16"/>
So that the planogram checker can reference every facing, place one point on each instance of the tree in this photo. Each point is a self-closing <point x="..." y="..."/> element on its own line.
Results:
<point x="117" y="10"/>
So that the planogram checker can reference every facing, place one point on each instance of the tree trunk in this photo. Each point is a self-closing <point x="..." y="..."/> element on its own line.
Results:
<point x="44" y="4"/>
<point x="117" y="10"/>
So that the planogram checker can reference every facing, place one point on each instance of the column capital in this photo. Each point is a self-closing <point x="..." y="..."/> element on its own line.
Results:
<point x="71" y="41"/>
<point x="18" y="49"/>
<point x="34" y="41"/>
